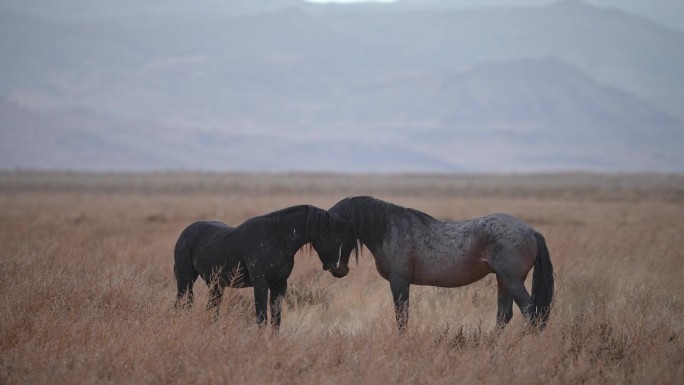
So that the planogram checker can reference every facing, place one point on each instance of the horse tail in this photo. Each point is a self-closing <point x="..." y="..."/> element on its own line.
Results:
<point x="542" y="282"/>
<point x="183" y="268"/>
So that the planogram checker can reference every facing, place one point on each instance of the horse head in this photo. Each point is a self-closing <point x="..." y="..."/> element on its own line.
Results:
<point x="334" y="246"/>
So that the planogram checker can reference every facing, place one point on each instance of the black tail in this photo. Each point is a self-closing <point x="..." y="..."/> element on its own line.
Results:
<point x="184" y="271"/>
<point x="542" y="283"/>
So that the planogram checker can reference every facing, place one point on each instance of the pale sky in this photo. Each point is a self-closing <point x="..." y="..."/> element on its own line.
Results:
<point x="351" y="1"/>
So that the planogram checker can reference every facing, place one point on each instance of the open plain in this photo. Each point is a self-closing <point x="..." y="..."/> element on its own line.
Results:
<point x="87" y="288"/>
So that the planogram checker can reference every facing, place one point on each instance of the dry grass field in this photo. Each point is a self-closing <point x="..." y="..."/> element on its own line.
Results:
<point x="87" y="285"/>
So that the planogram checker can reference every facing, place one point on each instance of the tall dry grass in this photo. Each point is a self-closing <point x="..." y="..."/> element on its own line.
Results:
<point x="87" y="286"/>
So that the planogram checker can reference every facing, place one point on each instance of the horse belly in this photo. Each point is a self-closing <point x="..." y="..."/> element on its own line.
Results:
<point x="449" y="271"/>
<point x="232" y="271"/>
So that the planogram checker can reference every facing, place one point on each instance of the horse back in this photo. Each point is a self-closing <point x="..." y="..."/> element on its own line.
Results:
<point x="507" y="230"/>
<point x="454" y="254"/>
<point x="201" y="233"/>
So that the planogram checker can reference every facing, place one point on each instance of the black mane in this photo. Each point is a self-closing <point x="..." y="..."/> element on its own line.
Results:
<point x="317" y="220"/>
<point x="371" y="218"/>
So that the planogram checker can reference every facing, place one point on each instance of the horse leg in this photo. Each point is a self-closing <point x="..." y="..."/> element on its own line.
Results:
<point x="184" y="291"/>
<point x="261" y="301"/>
<point x="504" y="311"/>
<point x="184" y="282"/>
<point x="277" y="294"/>
<point x="400" y="294"/>
<point x="521" y="297"/>
<point x="215" y="298"/>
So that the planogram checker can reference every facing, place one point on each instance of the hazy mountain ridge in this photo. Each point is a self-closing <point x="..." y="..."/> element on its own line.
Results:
<point x="527" y="106"/>
<point x="666" y="12"/>
<point x="613" y="47"/>
<point x="78" y="140"/>
<point x="347" y="90"/>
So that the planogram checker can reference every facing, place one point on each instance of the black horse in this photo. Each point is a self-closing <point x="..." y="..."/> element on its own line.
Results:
<point x="258" y="253"/>
<point x="413" y="248"/>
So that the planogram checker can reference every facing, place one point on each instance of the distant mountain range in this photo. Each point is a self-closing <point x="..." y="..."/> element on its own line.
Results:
<point x="283" y="85"/>
<point x="666" y="12"/>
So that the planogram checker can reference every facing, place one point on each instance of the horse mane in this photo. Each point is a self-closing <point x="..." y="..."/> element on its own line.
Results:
<point x="371" y="218"/>
<point x="316" y="219"/>
<point x="319" y="220"/>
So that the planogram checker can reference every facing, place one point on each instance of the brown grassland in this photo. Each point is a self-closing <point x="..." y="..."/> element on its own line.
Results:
<point x="87" y="284"/>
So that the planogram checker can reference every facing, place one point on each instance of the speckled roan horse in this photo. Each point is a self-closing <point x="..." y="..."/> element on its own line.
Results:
<point x="411" y="247"/>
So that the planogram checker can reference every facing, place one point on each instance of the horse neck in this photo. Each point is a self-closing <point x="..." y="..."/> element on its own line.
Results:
<point x="378" y="224"/>
<point x="295" y="224"/>
<point x="367" y="231"/>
